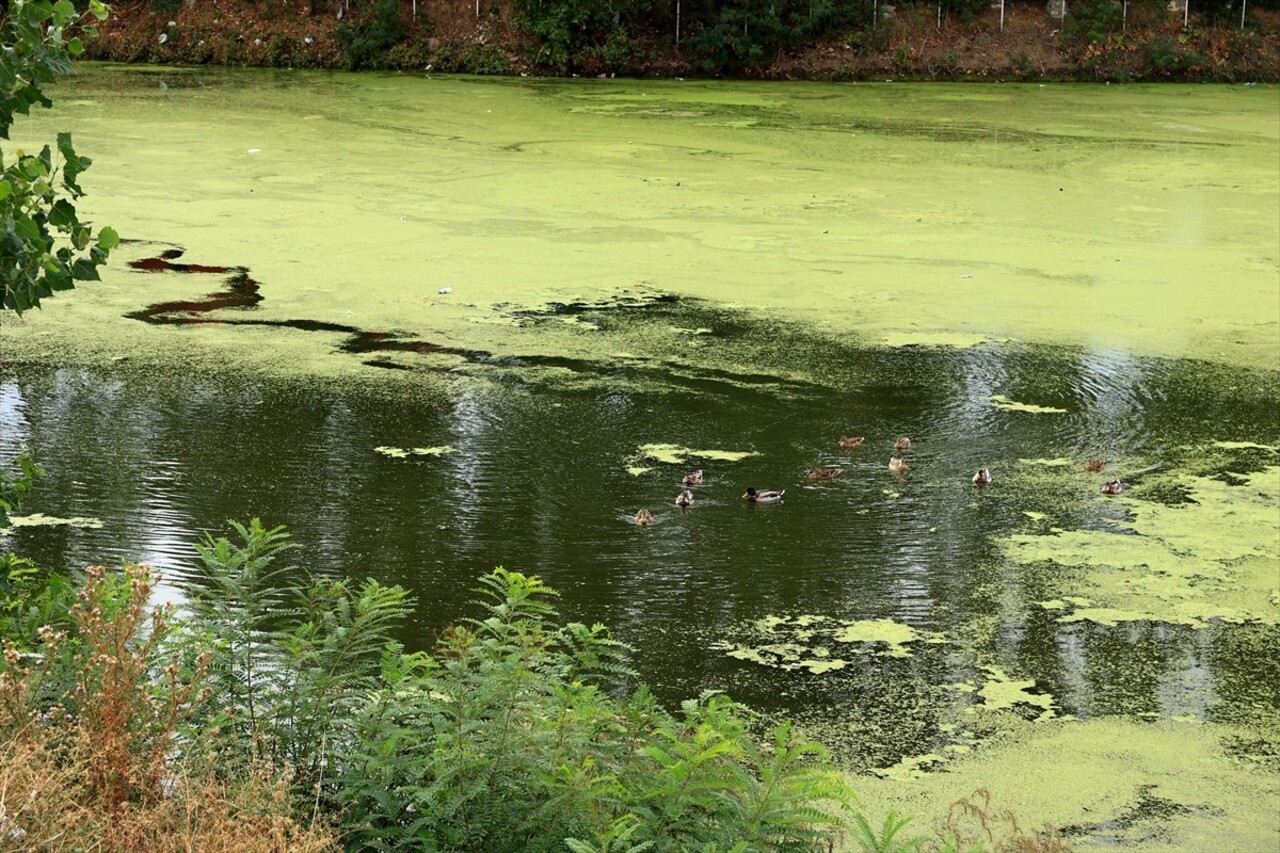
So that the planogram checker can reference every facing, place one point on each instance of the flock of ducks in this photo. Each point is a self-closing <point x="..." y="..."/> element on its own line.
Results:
<point x="897" y="464"/>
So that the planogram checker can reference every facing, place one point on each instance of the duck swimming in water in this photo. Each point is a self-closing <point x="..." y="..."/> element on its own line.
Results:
<point x="684" y="498"/>
<point x="763" y="496"/>
<point x="897" y="463"/>
<point x="1095" y="464"/>
<point x="903" y="443"/>
<point x="982" y="478"/>
<point x="644" y="518"/>
<point x="693" y="478"/>
<point x="1112" y="487"/>
<point x="824" y="473"/>
<point x="850" y="442"/>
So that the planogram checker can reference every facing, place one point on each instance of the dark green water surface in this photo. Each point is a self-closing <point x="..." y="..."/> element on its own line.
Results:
<point x="539" y="482"/>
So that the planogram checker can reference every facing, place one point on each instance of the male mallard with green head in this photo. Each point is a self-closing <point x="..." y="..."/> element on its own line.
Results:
<point x="763" y="496"/>
<point x="693" y="478"/>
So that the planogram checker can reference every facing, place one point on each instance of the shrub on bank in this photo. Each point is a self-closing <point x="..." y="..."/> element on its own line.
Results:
<point x="284" y="701"/>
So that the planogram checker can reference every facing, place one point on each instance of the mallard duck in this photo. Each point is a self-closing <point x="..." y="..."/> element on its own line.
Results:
<point x="903" y="443"/>
<point x="763" y="496"/>
<point x="684" y="498"/>
<point x="850" y="442"/>
<point x="644" y="518"/>
<point x="824" y="473"/>
<point x="1112" y="487"/>
<point x="897" y="463"/>
<point x="693" y="478"/>
<point x="1095" y="464"/>
<point x="982" y="478"/>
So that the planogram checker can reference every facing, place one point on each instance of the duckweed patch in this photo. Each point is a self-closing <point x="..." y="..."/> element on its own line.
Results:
<point x="805" y="642"/>
<point x="1004" y="403"/>
<point x="1245" y="445"/>
<point x="1106" y="782"/>
<point x="38" y="519"/>
<point x="1000" y="691"/>
<point x="406" y="452"/>
<point x="1212" y="557"/>
<point x="675" y="454"/>
<point x="604" y="201"/>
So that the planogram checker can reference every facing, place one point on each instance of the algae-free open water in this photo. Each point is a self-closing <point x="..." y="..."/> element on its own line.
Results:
<point x="482" y="322"/>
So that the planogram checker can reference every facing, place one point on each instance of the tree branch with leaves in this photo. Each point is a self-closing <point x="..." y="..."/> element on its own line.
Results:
<point x="44" y="247"/>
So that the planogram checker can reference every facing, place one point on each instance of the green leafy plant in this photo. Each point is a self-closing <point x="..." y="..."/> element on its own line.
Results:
<point x="885" y="839"/>
<point x="365" y="42"/>
<point x="291" y="657"/>
<point x="515" y="734"/>
<point x="567" y="29"/>
<point x="14" y="486"/>
<point x="29" y="598"/>
<point x="1091" y="20"/>
<point x="44" y="247"/>
<point x="1168" y="59"/>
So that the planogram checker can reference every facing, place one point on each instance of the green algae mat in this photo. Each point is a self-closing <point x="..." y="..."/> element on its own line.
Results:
<point x="440" y="324"/>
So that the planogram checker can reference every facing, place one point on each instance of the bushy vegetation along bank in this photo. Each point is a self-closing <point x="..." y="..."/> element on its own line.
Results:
<point x="1227" y="40"/>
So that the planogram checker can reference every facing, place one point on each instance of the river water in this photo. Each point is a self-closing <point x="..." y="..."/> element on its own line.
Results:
<point x="435" y="326"/>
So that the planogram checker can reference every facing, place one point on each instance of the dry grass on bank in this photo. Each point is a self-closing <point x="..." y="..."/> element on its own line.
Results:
<point x="48" y="802"/>
<point x="87" y="744"/>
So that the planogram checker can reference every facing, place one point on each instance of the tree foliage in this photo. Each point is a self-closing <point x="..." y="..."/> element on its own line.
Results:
<point x="44" y="247"/>
<point x="365" y="42"/>
<point x="569" y="30"/>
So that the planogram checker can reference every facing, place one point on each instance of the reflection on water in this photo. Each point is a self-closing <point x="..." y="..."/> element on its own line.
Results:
<point x="538" y="481"/>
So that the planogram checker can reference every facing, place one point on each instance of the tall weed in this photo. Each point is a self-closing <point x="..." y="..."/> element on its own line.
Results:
<point x="90" y="750"/>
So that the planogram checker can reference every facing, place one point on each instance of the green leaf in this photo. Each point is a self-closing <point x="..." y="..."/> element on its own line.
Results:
<point x="64" y="12"/>
<point x="26" y="228"/>
<point x="84" y="270"/>
<point x="62" y="215"/>
<point x="108" y="239"/>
